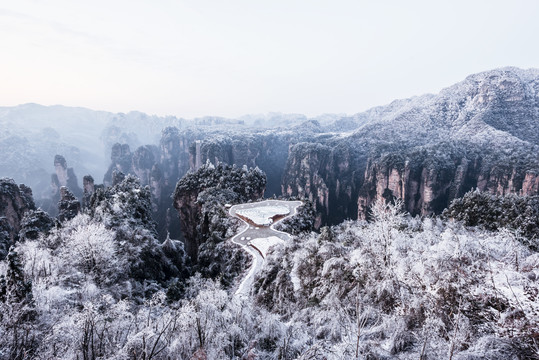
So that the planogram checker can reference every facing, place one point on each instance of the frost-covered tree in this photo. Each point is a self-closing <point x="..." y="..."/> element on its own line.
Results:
<point x="125" y="208"/>
<point x="35" y="223"/>
<point x="200" y="198"/>
<point x="402" y="287"/>
<point x="493" y="212"/>
<point x="387" y="218"/>
<point x="93" y="250"/>
<point x="68" y="206"/>
<point x="17" y="313"/>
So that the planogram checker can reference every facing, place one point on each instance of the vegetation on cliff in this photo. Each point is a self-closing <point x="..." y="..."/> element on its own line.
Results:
<point x="200" y="198"/>
<point x="493" y="212"/>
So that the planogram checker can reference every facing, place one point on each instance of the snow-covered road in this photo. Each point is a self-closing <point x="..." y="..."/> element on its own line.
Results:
<point x="256" y="236"/>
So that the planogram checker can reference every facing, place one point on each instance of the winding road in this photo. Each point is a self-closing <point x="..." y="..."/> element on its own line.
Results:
<point x="251" y="232"/>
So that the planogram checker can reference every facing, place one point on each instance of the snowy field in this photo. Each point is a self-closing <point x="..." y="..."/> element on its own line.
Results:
<point x="263" y="215"/>
<point x="263" y="244"/>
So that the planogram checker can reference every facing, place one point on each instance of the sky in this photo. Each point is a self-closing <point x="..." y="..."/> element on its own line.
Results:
<point x="231" y="58"/>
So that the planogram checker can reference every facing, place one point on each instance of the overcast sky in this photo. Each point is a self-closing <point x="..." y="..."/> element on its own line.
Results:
<point x="229" y="58"/>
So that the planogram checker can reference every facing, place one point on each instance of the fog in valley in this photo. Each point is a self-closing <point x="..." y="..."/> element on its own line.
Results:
<point x="337" y="180"/>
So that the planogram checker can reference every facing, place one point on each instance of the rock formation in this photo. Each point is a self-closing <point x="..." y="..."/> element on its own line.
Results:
<point x="200" y="197"/>
<point x="176" y="158"/>
<point x="34" y="223"/>
<point x="15" y="202"/>
<point x="68" y="206"/>
<point x="121" y="160"/>
<point x="481" y="133"/>
<point x="88" y="189"/>
<point x="144" y="159"/>
<point x="64" y="176"/>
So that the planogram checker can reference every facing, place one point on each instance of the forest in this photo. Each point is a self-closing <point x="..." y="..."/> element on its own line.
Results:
<point x="417" y="236"/>
<point x="96" y="283"/>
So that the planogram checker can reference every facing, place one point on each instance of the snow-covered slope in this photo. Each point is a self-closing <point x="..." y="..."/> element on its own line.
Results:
<point x="500" y="104"/>
<point x="480" y="133"/>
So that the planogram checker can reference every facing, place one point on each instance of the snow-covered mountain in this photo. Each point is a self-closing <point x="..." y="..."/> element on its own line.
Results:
<point x="485" y="106"/>
<point x="481" y="132"/>
<point x="105" y="279"/>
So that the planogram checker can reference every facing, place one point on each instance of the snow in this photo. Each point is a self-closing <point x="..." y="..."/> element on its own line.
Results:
<point x="296" y="282"/>
<point x="247" y="282"/>
<point x="264" y="244"/>
<point x="263" y="215"/>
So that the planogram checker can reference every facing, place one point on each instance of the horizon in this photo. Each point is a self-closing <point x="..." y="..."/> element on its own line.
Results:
<point x="192" y="60"/>
<point x="309" y="117"/>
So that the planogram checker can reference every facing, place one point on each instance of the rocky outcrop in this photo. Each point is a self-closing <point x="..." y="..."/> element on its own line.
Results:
<point x="268" y="150"/>
<point x="157" y="167"/>
<point x="121" y="160"/>
<point x="34" y="223"/>
<point x="306" y="175"/>
<point x="426" y="179"/>
<point x="64" y="176"/>
<point x="200" y="197"/>
<point x="183" y="151"/>
<point x="481" y="133"/>
<point x="144" y="160"/>
<point x="68" y="206"/>
<point x="88" y="189"/>
<point x="15" y="202"/>
<point x="530" y="184"/>
<point x="177" y="153"/>
<point x="326" y="174"/>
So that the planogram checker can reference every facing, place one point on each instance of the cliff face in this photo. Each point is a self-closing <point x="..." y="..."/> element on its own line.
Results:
<point x="88" y="187"/>
<point x="200" y="198"/>
<point x="64" y="176"/>
<point x="189" y="212"/>
<point x="143" y="160"/>
<point x="268" y="150"/>
<point x="306" y="174"/>
<point x="187" y="150"/>
<point x="176" y="155"/>
<point x="427" y="180"/>
<point x="121" y="161"/>
<point x="158" y="167"/>
<point x="15" y="201"/>
<point x="68" y="206"/>
<point x="482" y="133"/>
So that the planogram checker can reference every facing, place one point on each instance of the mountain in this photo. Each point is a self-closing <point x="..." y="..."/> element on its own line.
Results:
<point x="112" y="278"/>
<point x="31" y="135"/>
<point x="427" y="150"/>
<point x="480" y="133"/>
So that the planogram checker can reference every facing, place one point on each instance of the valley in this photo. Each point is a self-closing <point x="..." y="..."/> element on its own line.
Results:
<point x="409" y="230"/>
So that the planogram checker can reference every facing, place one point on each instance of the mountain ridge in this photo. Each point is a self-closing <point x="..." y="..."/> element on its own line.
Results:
<point x="480" y="132"/>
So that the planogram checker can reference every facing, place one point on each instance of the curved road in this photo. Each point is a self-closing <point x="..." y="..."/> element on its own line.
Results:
<point x="251" y="232"/>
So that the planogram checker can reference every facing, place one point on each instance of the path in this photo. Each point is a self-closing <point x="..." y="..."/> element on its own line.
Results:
<point x="266" y="235"/>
